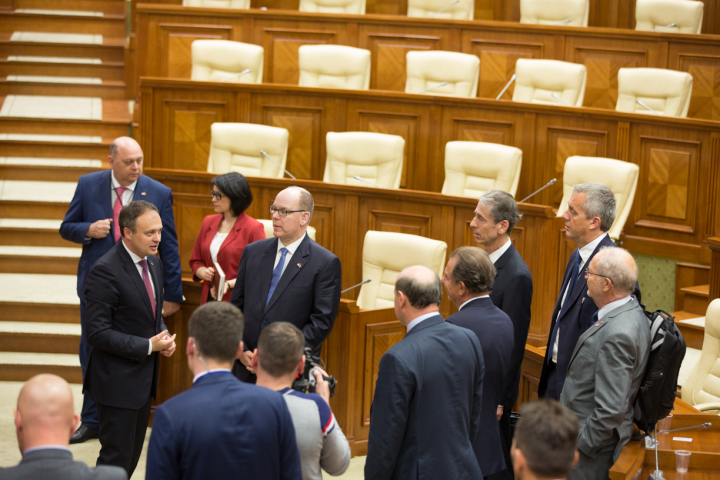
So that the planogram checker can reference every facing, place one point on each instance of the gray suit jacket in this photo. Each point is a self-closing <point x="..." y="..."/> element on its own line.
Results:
<point x="604" y="374"/>
<point x="58" y="465"/>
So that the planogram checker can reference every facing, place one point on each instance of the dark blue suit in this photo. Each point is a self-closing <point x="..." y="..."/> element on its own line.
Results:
<point x="494" y="329"/>
<point x="92" y="202"/>
<point x="427" y="404"/>
<point x="223" y="429"/>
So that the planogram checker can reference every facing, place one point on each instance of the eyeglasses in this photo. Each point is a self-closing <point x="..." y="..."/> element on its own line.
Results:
<point x="217" y="195"/>
<point x="588" y="272"/>
<point x="282" y="212"/>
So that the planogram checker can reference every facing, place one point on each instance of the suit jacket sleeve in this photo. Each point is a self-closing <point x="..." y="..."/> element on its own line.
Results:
<point x="163" y="454"/>
<point x="196" y="259"/>
<point x="516" y="303"/>
<point x="327" y="302"/>
<point x="102" y="297"/>
<point x="476" y="411"/>
<point x="238" y="293"/>
<point x="169" y="253"/>
<point x="74" y="227"/>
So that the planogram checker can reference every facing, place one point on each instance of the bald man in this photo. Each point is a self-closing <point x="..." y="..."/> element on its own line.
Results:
<point x="92" y="220"/>
<point x="44" y="420"/>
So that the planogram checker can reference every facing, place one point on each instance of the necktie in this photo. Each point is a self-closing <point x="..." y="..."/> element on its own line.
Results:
<point x="575" y="275"/>
<point x="116" y="212"/>
<point x="594" y="317"/>
<point x="276" y="275"/>
<point x="146" y="281"/>
<point x="573" y="280"/>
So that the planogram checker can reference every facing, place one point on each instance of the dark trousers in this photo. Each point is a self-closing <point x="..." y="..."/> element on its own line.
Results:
<point x="554" y="383"/>
<point x="89" y="413"/>
<point x="506" y="440"/>
<point x="122" y="433"/>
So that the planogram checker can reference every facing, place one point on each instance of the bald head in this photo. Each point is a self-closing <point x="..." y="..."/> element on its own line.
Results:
<point x="611" y="275"/>
<point x="126" y="160"/>
<point x="418" y="291"/>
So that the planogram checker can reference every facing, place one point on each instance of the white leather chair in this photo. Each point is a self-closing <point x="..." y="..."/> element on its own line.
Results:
<point x="333" y="6"/>
<point x="219" y="60"/>
<point x="667" y="92"/>
<point x="376" y="157"/>
<point x="268" y="226"/>
<point x="235" y="147"/>
<point x="473" y="168"/>
<point x="538" y="80"/>
<point x="652" y="14"/>
<point x="385" y="255"/>
<point x="702" y="388"/>
<point x="426" y="69"/>
<point x="334" y="66"/>
<point x="555" y="12"/>
<point x="239" y="4"/>
<point x="620" y="177"/>
<point x="464" y="10"/>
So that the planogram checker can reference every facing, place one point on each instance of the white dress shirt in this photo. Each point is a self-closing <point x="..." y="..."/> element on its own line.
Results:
<point x="468" y="301"/>
<point x="137" y="259"/>
<point x="127" y="195"/>
<point x="290" y="251"/>
<point x="215" y="245"/>
<point x="495" y="256"/>
<point x="419" y="319"/>
<point x="612" y="306"/>
<point x="214" y="370"/>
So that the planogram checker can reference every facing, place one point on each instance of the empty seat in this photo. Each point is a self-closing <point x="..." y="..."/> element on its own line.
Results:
<point x="333" y="6"/>
<point x="463" y="10"/>
<point x="240" y="4"/>
<point x="574" y="13"/>
<point x="538" y="80"/>
<point x="235" y="147"/>
<point x="427" y="69"/>
<point x="375" y="157"/>
<point x="473" y="168"/>
<point x="667" y="92"/>
<point x="223" y="60"/>
<point x="656" y="14"/>
<point x="334" y="66"/>
<point x="702" y="388"/>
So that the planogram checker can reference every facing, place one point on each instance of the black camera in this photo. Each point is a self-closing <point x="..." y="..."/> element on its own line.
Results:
<point x="306" y="382"/>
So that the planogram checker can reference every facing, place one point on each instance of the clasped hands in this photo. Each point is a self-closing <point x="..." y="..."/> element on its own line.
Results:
<point x="163" y="343"/>
<point x="207" y="274"/>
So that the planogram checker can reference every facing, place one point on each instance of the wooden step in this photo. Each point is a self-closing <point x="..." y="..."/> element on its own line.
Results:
<point x="33" y="209"/>
<point x="43" y="173"/>
<point x="21" y="366"/>
<point x="696" y="299"/>
<point x="39" y="337"/>
<point x="38" y="264"/>
<point x="112" y="50"/>
<point x="12" y="148"/>
<point x="692" y="334"/>
<point x="112" y="71"/>
<point x="108" y="130"/>
<point x="40" y="312"/>
<point x="114" y="7"/>
<point x="109" y="25"/>
<point x="688" y="275"/>
<point x="110" y="90"/>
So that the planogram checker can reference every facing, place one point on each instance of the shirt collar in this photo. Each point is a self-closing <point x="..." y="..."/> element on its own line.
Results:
<point x="473" y="298"/>
<point x="47" y="447"/>
<point x="134" y="257"/>
<point x="116" y="184"/>
<point x="206" y="372"/>
<point x="495" y="256"/>
<point x="293" y="246"/>
<point x="613" y="305"/>
<point x="419" y="319"/>
<point x="588" y="249"/>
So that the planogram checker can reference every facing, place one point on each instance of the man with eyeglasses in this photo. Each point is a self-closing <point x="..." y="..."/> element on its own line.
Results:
<point x="288" y="278"/>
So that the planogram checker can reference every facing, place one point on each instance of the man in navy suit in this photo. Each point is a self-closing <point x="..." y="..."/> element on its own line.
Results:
<point x="468" y="280"/>
<point x="221" y="428"/>
<point x="590" y="214"/>
<point x="92" y="220"/>
<point x="289" y="278"/>
<point x="428" y="394"/>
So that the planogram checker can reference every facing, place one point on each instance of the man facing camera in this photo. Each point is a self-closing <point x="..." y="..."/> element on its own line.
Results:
<point x="221" y="428"/>
<point x="468" y="279"/>
<point x="428" y="394"/>
<point x="289" y="278"/>
<point x="278" y="361"/>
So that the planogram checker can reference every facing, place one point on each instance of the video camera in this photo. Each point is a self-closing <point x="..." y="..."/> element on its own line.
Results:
<point x="306" y="382"/>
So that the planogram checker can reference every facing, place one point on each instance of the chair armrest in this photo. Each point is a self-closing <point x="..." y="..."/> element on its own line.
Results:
<point x="704" y="407"/>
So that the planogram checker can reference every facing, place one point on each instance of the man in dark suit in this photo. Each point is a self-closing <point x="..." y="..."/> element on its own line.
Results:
<point x="289" y="278"/>
<point x="221" y="428"/>
<point x="590" y="214"/>
<point x="124" y="295"/>
<point x="496" y="215"/>
<point x="44" y="420"/>
<point x="92" y="220"/>
<point x="428" y="394"/>
<point x="468" y="280"/>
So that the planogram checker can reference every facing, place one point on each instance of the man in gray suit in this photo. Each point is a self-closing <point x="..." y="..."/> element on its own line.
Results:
<point x="607" y="365"/>
<point x="44" y="421"/>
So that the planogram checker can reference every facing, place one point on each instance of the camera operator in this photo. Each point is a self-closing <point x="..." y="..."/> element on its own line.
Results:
<point x="277" y="361"/>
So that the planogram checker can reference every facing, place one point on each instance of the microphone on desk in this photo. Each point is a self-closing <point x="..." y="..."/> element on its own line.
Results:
<point x="556" y="97"/>
<point x="669" y="25"/>
<point x="658" y="474"/>
<point x="433" y="88"/>
<point x="262" y="152"/>
<point x="512" y="79"/>
<point x="355" y="286"/>
<point x="366" y="181"/>
<point x="247" y="70"/>
<point x="704" y="425"/>
<point x="444" y="8"/>
<point x="645" y="106"/>
<point x="551" y="182"/>
<point x="567" y="20"/>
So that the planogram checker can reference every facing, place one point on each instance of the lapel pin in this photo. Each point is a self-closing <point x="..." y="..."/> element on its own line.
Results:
<point x="299" y="266"/>
<point x="143" y="193"/>
<point x="152" y="263"/>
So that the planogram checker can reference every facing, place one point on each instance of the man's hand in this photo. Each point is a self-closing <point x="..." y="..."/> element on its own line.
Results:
<point x="169" y="350"/>
<point x="169" y="308"/>
<point x="246" y="358"/>
<point x="499" y="413"/>
<point x="321" y="385"/>
<point x="162" y="340"/>
<point x="99" y="229"/>
<point x="205" y="273"/>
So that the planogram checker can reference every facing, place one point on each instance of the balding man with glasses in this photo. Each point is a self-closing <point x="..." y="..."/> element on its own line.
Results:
<point x="288" y="278"/>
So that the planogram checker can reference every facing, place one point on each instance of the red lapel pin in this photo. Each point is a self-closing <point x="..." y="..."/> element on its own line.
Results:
<point x="143" y="193"/>
<point x="299" y="266"/>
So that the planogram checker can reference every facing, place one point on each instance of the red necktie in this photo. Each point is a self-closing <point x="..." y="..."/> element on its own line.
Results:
<point x="116" y="212"/>
<point x="146" y="281"/>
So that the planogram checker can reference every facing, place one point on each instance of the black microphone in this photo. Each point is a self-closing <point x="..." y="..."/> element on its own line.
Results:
<point x="355" y="286"/>
<point x="551" y="182"/>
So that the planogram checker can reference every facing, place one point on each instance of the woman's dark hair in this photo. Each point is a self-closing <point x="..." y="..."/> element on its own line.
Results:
<point x="234" y="186"/>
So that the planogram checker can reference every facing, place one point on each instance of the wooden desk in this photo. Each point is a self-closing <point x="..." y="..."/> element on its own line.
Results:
<point x="165" y="33"/>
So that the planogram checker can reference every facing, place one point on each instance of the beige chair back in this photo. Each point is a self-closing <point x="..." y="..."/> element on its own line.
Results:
<point x="652" y="14"/>
<point x="268" y="226"/>
<point x="702" y="388"/>
<point x="426" y="69"/>
<point x="375" y="157"/>
<point x="235" y="147"/>
<point x="464" y="10"/>
<point x="667" y="92"/>
<point x="555" y="12"/>
<point x="333" y="6"/>
<point x="473" y="168"/>
<point x="220" y="60"/>
<point x="620" y="177"/>
<point x="385" y="255"/>
<point x="238" y="4"/>
<point x="537" y="80"/>
<point x="334" y="66"/>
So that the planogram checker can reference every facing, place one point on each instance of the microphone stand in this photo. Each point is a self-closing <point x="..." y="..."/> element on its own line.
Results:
<point x="658" y="474"/>
<point x="247" y="70"/>
<point x="366" y="181"/>
<point x="567" y="20"/>
<point x="433" y="88"/>
<point x="556" y="97"/>
<point x="262" y="152"/>
<point x="444" y="8"/>
<point x="666" y="26"/>
<point x="512" y="79"/>
<point x="355" y="286"/>
<point x="645" y="106"/>
<point x="551" y="182"/>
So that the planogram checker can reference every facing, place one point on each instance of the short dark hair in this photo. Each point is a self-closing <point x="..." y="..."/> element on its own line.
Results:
<point x="131" y="212"/>
<point x="420" y="294"/>
<point x="234" y="186"/>
<point x="502" y="206"/>
<point x="474" y="268"/>
<point x="547" y="435"/>
<point x="217" y="328"/>
<point x="280" y="348"/>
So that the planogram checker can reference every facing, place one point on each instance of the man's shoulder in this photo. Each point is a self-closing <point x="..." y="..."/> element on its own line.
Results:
<point x="93" y="177"/>
<point x="61" y="468"/>
<point x="260" y="245"/>
<point x="317" y="249"/>
<point x="517" y="263"/>
<point x="147" y="183"/>
<point x="314" y="401"/>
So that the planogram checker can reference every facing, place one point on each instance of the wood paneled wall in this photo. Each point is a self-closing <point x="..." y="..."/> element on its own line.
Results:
<point x="673" y="210"/>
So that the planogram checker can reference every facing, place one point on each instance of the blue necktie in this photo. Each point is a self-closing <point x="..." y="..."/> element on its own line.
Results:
<point x="571" y="285"/>
<point x="277" y="272"/>
<point x="594" y="318"/>
<point x="575" y="275"/>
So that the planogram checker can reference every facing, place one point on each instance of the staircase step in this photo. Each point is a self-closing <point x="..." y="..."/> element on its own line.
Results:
<point x="21" y="366"/>
<point x="53" y="146"/>
<point x="116" y="7"/>
<point x="109" y="50"/>
<point x="81" y="129"/>
<point x="40" y="312"/>
<point x="28" y="288"/>
<point x="32" y="232"/>
<point x="110" y="90"/>
<point x="39" y="260"/>
<point x="44" y="173"/>
<point x="62" y="66"/>
<point x="45" y="11"/>
<point x="108" y="25"/>
<point x="33" y="209"/>
<point x="693" y="332"/>
<point x="90" y="165"/>
<point x="696" y="299"/>
<point x="51" y="106"/>
<point x="51" y="192"/>
<point x="39" y="337"/>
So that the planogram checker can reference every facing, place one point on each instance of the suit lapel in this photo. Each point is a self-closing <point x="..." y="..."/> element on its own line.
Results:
<point x="581" y="285"/>
<point x="504" y="258"/>
<point x="266" y="267"/>
<point x="297" y="261"/>
<point x="232" y="233"/>
<point x="156" y="273"/>
<point x="135" y="278"/>
<point x="103" y="189"/>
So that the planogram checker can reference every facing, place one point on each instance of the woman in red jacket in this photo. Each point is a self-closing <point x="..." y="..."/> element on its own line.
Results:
<point x="223" y="237"/>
